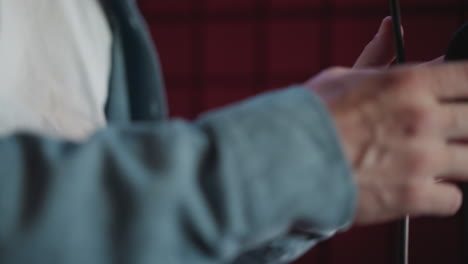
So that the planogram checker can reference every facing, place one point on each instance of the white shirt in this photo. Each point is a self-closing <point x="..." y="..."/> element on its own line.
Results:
<point x="55" y="59"/>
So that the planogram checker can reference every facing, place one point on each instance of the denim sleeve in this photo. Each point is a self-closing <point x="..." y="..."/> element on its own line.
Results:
<point x="176" y="192"/>
<point x="283" y="249"/>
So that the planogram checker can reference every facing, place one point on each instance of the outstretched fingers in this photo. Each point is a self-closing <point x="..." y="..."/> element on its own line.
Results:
<point x="448" y="82"/>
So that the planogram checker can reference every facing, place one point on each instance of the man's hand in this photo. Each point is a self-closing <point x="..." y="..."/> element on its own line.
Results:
<point x="401" y="130"/>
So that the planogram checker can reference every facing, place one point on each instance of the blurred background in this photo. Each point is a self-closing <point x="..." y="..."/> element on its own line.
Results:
<point x="215" y="52"/>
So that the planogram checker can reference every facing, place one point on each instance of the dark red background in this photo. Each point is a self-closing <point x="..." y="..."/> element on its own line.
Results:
<point x="215" y="52"/>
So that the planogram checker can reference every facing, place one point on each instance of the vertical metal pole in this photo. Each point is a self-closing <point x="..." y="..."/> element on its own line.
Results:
<point x="403" y="225"/>
<point x="397" y="32"/>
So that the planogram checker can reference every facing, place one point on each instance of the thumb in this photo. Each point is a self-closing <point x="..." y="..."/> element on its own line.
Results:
<point x="380" y="51"/>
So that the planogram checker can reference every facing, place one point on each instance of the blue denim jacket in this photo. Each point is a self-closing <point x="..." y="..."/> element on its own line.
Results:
<point x="258" y="182"/>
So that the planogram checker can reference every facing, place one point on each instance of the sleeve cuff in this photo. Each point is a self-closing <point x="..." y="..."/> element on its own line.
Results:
<point x="285" y="149"/>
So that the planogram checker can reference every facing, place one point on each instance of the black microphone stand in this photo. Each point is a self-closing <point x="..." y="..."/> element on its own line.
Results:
<point x="403" y="225"/>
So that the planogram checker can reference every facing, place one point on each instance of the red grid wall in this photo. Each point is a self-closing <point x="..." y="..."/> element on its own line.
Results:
<point x="215" y="52"/>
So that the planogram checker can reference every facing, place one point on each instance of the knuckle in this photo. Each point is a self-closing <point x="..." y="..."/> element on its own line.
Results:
<point x="422" y="162"/>
<point x="454" y="120"/>
<point x="405" y="79"/>
<point x="464" y="70"/>
<point x="419" y="120"/>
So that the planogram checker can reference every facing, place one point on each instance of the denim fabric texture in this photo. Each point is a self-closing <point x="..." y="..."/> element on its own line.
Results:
<point x="229" y="187"/>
